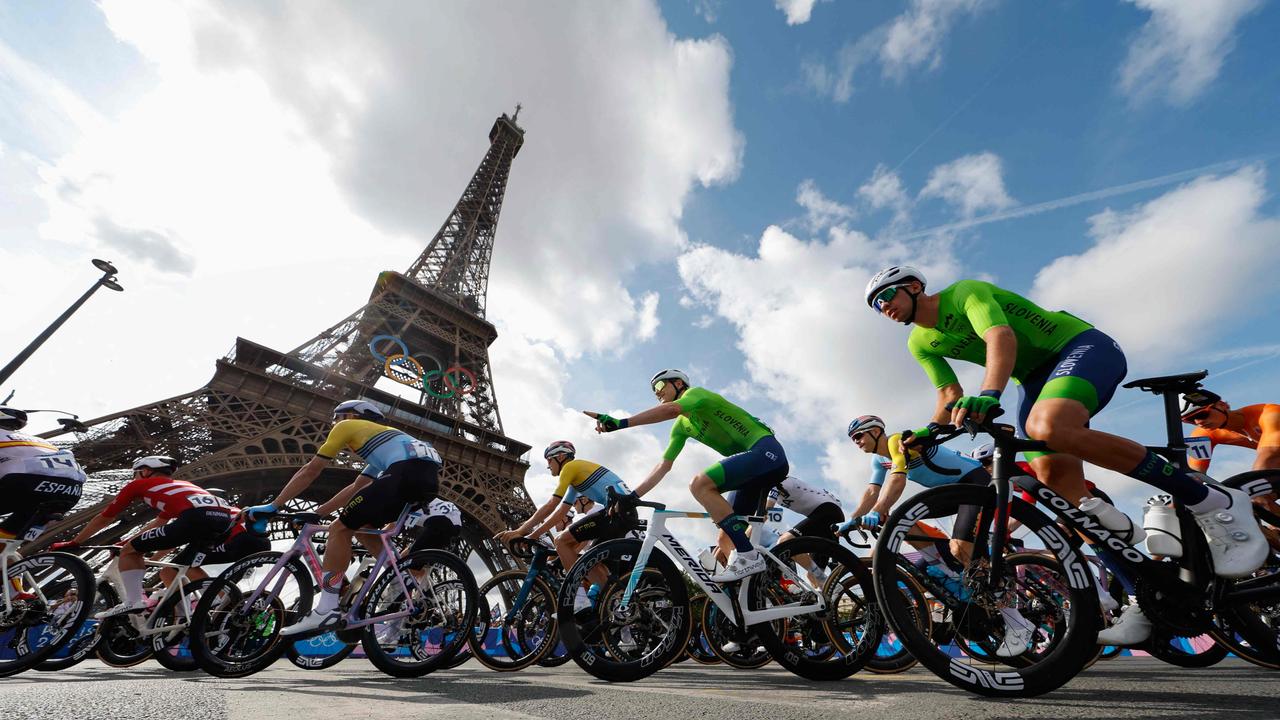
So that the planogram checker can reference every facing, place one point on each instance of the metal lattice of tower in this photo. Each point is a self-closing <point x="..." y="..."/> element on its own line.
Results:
<point x="265" y="412"/>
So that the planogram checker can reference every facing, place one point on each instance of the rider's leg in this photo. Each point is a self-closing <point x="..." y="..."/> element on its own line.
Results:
<point x="708" y="495"/>
<point x="337" y="557"/>
<point x="132" y="568"/>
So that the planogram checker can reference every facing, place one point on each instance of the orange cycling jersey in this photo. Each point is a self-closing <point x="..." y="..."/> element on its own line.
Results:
<point x="1261" y="429"/>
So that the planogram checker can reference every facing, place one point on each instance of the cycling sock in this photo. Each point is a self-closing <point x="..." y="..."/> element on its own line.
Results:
<point x="1217" y="500"/>
<point x="593" y="592"/>
<point x="1155" y="470"/>
<point x="735" y="526"/>
<point x="132" y="581"/>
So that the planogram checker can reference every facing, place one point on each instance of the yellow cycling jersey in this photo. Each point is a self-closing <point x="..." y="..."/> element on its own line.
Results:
<point x="378" y="445"/>
<point x="574" y="474"/>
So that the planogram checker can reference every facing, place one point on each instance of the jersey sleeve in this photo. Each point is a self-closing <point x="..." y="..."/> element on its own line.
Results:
<point x="897" y="454"/>
<point x="877" y="471"/>
<point x="566" y="481"/>
<point x="1195" y="463"/>
<point x="975" y="300"/>
<point x="692" y="399"/>
<point x="569" y="496"/>
<point x="935" y="367"/>
<point x="337" y="440"/>
<point x="127" y="495"/>
<point x="678" y="438"/>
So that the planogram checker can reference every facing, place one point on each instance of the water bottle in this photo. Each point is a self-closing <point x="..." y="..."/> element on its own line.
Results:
<point x="1164" y="532"/>
<point x="1114" y="520"/>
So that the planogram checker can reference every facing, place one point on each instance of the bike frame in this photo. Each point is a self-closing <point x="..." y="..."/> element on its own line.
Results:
<point x="179" y="584"/>
<point x="305" y="549"/>
<point x="734" y="607"/>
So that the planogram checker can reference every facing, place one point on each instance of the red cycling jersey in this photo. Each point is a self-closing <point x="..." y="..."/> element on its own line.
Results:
<point x="167" y="496"/>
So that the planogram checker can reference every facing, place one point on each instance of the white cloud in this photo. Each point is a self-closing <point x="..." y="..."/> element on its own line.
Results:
<point x="1181" y="48"/>
<point x="286" y="156"/>
<point x="797" y="11"/>
<point x="1134" y="282"/>
<point x="911" y="40"/>
<point x="819" y="367"/>
<point x="884" y="191"/>
<point x="821" y="210"/>
<point x="971" y="184"/>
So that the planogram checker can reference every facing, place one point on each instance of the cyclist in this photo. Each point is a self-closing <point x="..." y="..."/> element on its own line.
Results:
<point x="754" y="460"/>
<point x="441" y="522"/>
<point x="899" y="463"/>
<point x="399" y="470"/>
<point x="37" y="479"/>
<point x="578" y="479"/>
<point x="821" y="509"/>
<point x="186" y="514"/>
<point x="1066" y="371"/>
<point x="1256" y="427"/>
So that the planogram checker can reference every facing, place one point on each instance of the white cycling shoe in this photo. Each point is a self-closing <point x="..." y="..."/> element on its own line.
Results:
<point x="740" y="566"/>
<point x="1017" y="634"/>
<point x="1133" y="628"/>
<point x="1236" y="541"/>
<point x="122" y="609"/>
<point x="581" y="601"/>
<point x="312" y="622"/>
<point x="731" y="647"/>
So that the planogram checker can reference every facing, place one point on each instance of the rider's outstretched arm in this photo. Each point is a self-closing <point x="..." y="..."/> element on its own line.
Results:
<point x="868" y="501"/>
<point x="947" y="394"/>
<point x="538" y="516"/>
<point x="560" y="514"/>
<point x="655" y="476"/>
<point x="892" y="491"/>
<point x="102" y="520"/>
<point x="300" y="481"/>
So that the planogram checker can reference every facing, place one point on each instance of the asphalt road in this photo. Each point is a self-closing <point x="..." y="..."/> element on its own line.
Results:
<point x="1121" y="688"/>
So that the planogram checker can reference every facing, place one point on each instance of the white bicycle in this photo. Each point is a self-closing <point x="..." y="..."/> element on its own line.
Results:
<point x="641" y="619"/>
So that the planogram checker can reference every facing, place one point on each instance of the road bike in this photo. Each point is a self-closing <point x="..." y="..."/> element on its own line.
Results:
<point x="407" y="626"/>
<point x="1180" y="596"/>
<point x="642" y="620"/>
<point x="44" y="600"/>
<point x="527" y="629"/>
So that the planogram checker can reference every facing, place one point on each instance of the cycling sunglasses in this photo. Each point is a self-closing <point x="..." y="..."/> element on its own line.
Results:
<point x="658" y="386"/>
<point x="1200" y="414"/>
<point x="884" y="297"/>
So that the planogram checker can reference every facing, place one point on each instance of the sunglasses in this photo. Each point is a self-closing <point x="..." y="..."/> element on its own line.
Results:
<point x="658" y="386"/>
<point x="1199" y="415"/>
<point x="884" y="297"/>
<point x="856" y="437"/>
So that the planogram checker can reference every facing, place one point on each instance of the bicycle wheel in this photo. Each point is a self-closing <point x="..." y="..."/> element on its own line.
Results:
<point x="173" y="617"/>
<point x="746" y="652"/>
<point x="525" y="627"/>
<point x="443" y="600"/>
<point x="1043" y="589"/>
<point x="625" y="643"/>
<point x="30" y="632"/>
<point x="1250" y="627"/>
<point x="981" y="607"/>
<point x="891" y="656"/>
<point x="84" y="644"/>
<point x="698" y="648"/>
<point x="804" y="644"/>
<point x="558" y="655"/>
<point x="234" y="634"/>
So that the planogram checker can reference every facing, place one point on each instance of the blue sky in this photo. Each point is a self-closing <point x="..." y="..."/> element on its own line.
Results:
<point x="249" y="158"/>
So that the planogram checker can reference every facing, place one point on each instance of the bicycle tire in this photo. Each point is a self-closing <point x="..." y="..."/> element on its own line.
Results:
<point x="698" y="649"/>
<point x="54" y="573"/>
<point x="510" y="638"/>
<point x="661" y="588"/>
<point x="460" y="584"/>
<point x="229" y="643"/>
<point x="1071" y="653"/>
<point x="83" y="647"/>
<point x="304" y="661"/>
<point x="807" y="659"/>
<point x="890" y="660"/>
<point x="1251" y="630"/>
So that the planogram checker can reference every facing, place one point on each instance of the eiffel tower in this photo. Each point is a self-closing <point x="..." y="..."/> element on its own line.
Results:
<point x="265" y="412"/>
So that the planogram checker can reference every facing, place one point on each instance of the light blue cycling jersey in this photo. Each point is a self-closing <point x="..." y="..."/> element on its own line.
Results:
<point x="378" y="445"/>
<point x="590" y="480"/>
<point x="918" y="472"/>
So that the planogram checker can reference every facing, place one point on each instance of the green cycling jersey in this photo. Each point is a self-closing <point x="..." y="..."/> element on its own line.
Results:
<point x="968" y="308"/>
<point x="714" y="422"/>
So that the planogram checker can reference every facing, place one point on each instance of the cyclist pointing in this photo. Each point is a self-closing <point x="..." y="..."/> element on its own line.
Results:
<point x="754" y="460"/>
<point x="1067" y="371"/>
<point x="399" y="470"/>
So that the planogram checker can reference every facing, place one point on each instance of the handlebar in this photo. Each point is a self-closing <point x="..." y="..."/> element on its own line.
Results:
<point x="848" y="536"/>
<point x="615" y="497"/>
<point x="1005" y="436"/>
<point x="525" y="548"/>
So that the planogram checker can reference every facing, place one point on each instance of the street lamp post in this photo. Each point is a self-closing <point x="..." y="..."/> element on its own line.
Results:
<point x="108" y="280"/>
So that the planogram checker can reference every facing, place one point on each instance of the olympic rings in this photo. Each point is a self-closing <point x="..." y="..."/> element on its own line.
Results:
<point x="407" y="370"/>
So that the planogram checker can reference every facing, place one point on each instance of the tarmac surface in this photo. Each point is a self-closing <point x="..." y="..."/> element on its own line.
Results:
<point x="1121" y="688"/>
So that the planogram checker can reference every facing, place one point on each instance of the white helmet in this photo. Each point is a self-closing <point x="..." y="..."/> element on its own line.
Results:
<point x="163" y="463"/>
<point x="363" y="408"/>
<point x="670" y="374"/>
<point x="896" y="275"/>
<point x="863" y="423"/>
<point x="983" y="452"/>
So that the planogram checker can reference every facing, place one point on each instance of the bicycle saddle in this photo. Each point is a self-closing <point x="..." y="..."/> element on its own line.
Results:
<point x="1183" y="383"/>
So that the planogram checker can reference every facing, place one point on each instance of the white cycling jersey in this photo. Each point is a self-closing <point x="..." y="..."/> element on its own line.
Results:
<point x="799" y="496"/>
<point x="22" y="453"/>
